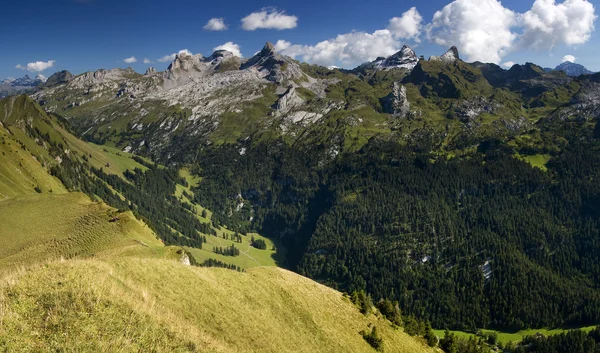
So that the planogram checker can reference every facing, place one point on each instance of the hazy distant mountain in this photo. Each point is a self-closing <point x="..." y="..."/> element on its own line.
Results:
<point x="10" y="86"/>
<point x="572" y="69"/>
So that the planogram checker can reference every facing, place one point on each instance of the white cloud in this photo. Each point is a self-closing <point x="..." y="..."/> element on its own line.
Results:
<point x="215" y="24"/>
<point x="408" y="26"/>
<point x="37" y="66"/>
<point x="508" y="64"/>
<point x="232" y="47"/>
<point x="171" y="57"/>
<point x="269" y="18"/>
<point x="349" y="49"/>
<point x="548" y="24"/>
<point x="481" y="29"/>
<point x="147" y="61"/>
<point x="282" y="45"/>
<point x="130" y="60"/>
<point x="570" y="58"/>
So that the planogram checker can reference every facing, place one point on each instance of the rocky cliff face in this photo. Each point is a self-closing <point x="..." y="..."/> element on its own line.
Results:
<point x="396" y="103"/>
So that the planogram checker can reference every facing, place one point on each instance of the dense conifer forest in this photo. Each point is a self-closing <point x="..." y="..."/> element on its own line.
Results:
<point x="482" y="240"/>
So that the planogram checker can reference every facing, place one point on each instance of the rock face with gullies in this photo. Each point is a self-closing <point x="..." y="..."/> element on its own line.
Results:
<point x="288" y="100"/>
<point x="585" y="104"/>
<point x="396" y="103"/>
<point x="449" y="57"/>
<point x="150" y="71"/>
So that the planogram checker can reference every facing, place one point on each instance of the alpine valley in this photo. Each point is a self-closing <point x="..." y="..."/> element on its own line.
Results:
<point x="433" y="193"/>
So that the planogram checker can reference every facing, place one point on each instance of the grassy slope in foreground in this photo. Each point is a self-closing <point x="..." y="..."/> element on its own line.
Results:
<point x="121" y="290"/>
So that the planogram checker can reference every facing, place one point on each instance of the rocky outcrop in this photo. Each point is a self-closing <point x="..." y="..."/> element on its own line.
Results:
<point x="396" y="102"/>
<point x="150" y="71"/>
<point x="290" y="99"/>
<point x="468" y="110"/>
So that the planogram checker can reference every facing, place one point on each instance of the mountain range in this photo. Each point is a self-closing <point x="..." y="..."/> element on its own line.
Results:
<point x="12" y="86"/>
<point x="433" y="192"/>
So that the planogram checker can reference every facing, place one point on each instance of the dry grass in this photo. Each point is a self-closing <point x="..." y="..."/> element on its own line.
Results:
<point x="145" y="304"/>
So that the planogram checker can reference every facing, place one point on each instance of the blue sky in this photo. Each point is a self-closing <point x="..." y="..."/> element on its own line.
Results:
<point x="83" y="35"/>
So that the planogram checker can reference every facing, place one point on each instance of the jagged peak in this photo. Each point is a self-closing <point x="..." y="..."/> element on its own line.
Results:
<point x="450" y="56"/>
<point x="405" y="58"/>
<point x="268" y="48"/>
<point x="452" y="53"/>
<point x="406" y="50"/>
<point x="149" y="71"/>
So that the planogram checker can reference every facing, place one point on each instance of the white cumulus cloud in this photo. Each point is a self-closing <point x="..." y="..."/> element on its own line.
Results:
<point x="570" y="58"/>
<point x="215" y="24"/>
<point x="269" y="18"/>
<point x="282" y="45"/>
<point x="37" y="66"/>
<point x="171" y="57"/>
<point x="130" y="60"/>
<point x="232" y="47"/>
<point x="481" y="29"/>
<point x="147" y="61"/>
<point x="549" y="24"/>
<point x="349" y="49"/>
<point x="508" y="64"/>
<point x="408" y="26"/>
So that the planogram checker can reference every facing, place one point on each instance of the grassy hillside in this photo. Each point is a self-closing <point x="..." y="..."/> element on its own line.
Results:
<point x="72" y="280"/>
<point x="41" y="227"/>
<point x="144" y="304"/>
<point x="24" y="125"/>
<point x="20" y="171"/>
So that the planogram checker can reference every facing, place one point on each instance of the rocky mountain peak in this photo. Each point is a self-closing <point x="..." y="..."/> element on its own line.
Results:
<point x="268" y="49"/>
<point x="448" y="57"/>
<point x="220" y="55"/>
<point x="184" y="62"/>
<point x="150" y="71"/>
<point x="57" y="78"/>
<point x="278" y="68"/>
<point x="406" y="58"/>
<point x="452" y="54"/>
<point x="572" y="69"/>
